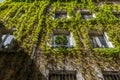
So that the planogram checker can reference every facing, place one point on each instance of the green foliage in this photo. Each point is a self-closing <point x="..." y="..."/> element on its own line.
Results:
<point x="61" y="40"/>
<point x="34" y="23"/>
<point x="108" y="51"/>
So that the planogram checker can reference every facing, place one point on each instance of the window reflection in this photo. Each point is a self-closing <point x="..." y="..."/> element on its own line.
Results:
<point x="6" y="41"/>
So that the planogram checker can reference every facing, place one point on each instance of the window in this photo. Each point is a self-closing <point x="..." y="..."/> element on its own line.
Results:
<point x="108" y="3"/>
<point x="60" y="15"/>
<point x="117" y="15"/>
<point x="6" y="41"/>
<point x="111" y="75"/>
<point x="63" y="38"/>
<point x="100" y="41"/>
<point x="88" y="16"/>
<point x="62" y="75"/>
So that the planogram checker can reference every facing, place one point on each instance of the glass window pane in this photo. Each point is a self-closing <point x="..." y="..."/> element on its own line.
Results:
<point x="8" y="40"/>
<point x="103" y="42"/>
<point x="117" y="15"/>
<point x="98" y="41"/>
<point x="3" y="37"/>
<point x="60" y="15"/>
<point x="87" y="16"/>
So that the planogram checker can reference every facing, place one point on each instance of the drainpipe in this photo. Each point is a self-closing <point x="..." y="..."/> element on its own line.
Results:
<point x="31" y="61"/>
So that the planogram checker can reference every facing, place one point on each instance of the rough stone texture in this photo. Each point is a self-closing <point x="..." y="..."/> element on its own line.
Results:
<point x="88" y="67"/>
<point x="14" y="66"/>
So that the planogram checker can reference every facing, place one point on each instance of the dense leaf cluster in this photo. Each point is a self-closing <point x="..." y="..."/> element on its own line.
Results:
<point x="33" y="21"/>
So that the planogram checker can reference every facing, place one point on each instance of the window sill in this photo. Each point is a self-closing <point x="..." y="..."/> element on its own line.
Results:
<point x="108" y="51"/>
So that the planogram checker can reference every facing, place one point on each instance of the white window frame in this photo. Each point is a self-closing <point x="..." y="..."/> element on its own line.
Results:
<point x="70" y="38"/>
<point x="55" y="45"/>
<point x="106" y="38"/>
<point x="93" y="16"/>
<point x="109" y="43"/>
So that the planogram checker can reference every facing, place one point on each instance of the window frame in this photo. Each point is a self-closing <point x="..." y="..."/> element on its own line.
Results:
<point x="71" y="41"/>
<point x="62" y="74"/>
<point x="5" y="43"/>
<point x="117" y="15"/>
<point x="87" y="16"/>
<point x="112" y="75"/>
<point x="96" y="42"/>
<point x="59" y="13"/>
<point x="55" y="45"/>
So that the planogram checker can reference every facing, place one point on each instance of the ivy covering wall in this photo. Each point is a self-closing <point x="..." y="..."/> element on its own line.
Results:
<point x="33" y="22"/>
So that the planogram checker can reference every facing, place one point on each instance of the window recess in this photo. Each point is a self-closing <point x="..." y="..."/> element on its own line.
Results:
<point x="107" y="2"/>
<point x="62" y="38"/>
<point x="111" y="75"/>
<point x="117" y="15"/>
<point x="88" y="16"/>
<point x="6" y="41"/>
<point x="60" y="14"/>
<point x="100" y="41"/>
<point x="62" y="75"/>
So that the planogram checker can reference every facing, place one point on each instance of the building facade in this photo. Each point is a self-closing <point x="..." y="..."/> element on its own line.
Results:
<point x="61" y="40"/>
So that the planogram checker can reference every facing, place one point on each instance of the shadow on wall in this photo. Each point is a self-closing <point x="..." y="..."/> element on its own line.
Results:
<point x="14" y="66"/>
<point x="1" y="23"/>
<point x="14" y="63"/>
